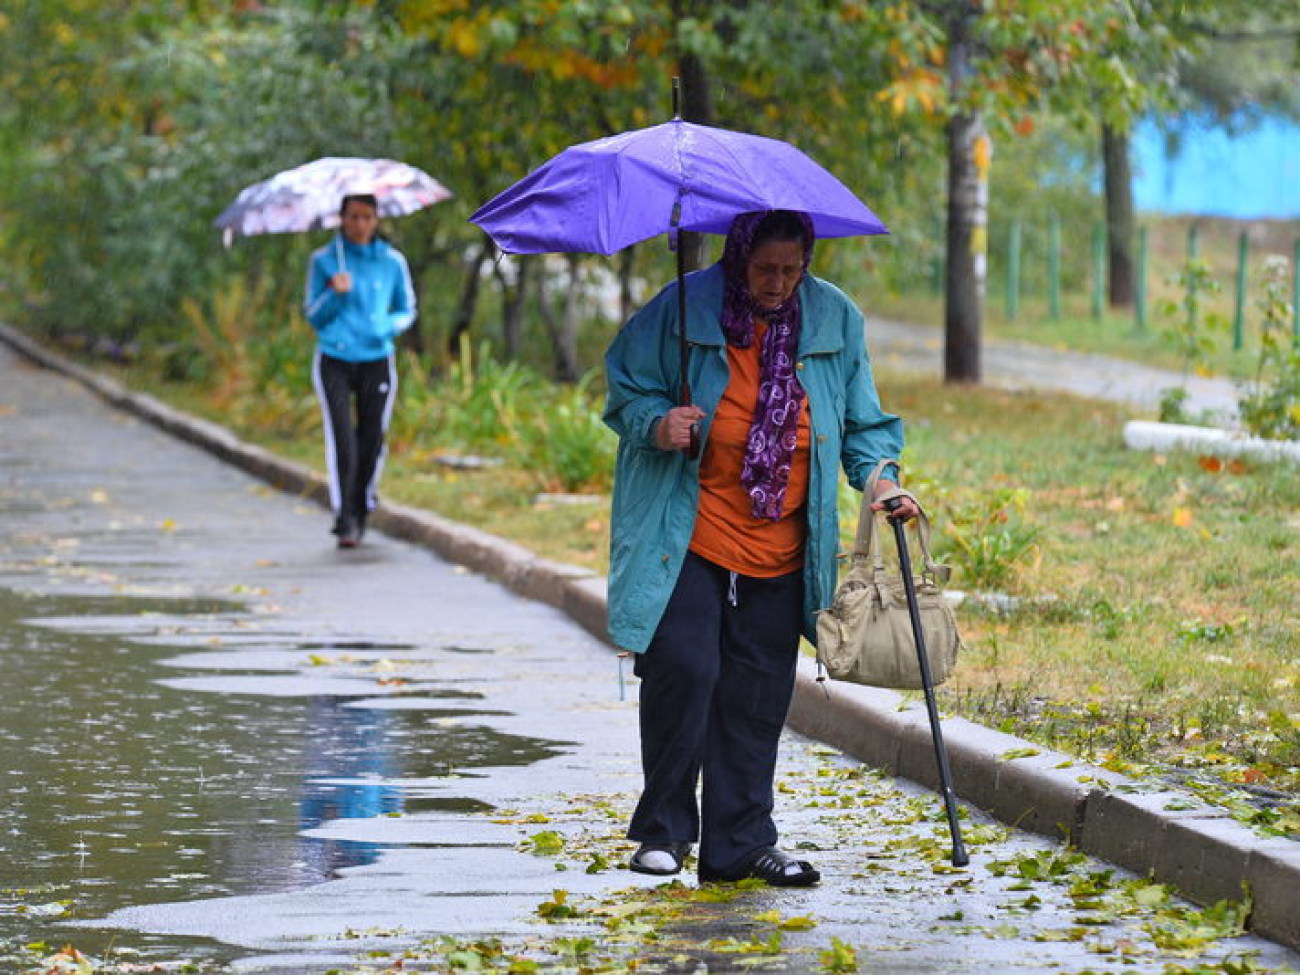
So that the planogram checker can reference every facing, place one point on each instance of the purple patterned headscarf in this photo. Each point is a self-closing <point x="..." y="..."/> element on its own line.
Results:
<point x="765" y="472"/>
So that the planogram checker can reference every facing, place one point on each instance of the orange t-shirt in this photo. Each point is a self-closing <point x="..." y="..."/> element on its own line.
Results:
<point x="726" y="531"/>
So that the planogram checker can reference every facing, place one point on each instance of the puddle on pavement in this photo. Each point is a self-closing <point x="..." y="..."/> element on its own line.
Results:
<point x="122" y="790"/>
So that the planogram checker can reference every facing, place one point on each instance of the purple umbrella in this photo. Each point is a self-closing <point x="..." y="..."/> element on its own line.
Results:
<point x="599" y="197"/>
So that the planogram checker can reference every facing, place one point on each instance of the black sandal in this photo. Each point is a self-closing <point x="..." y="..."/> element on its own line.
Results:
<point x="676" y="852"/>
<point x="771" y="865"/>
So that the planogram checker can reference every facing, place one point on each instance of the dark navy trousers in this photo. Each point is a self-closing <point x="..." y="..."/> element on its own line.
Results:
<point x="716" y="683"/>
<point x="357" y="402"/>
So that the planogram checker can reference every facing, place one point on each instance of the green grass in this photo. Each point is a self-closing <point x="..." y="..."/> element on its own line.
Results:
<point x="1160" y="615"/>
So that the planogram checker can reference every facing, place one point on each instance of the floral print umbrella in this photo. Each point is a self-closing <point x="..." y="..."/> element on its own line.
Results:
<point x="308" y="197"/>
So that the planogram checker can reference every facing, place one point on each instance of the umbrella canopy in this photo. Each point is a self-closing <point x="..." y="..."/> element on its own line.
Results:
<point x="308" y="197"/>
<point x="599" y="197"/>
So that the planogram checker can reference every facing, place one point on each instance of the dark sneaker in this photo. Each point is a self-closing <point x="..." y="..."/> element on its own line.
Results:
<point x="349" y="535"/>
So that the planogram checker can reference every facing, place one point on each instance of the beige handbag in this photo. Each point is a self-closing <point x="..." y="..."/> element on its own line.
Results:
<point x="865" y="637"/>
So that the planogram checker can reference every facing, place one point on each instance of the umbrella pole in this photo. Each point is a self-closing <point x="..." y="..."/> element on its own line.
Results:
<point x="684" y="398"/>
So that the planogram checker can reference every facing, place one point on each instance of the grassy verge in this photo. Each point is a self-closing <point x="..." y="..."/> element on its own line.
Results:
<point x="1151" y="605"/>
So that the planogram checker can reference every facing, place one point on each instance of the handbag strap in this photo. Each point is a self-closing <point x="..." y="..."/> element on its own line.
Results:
<point x="867" y="543"/>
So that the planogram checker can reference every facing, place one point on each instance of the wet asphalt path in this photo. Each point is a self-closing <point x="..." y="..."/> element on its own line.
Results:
<point x="1020" y="365"/>
<point x="229" y="742"/>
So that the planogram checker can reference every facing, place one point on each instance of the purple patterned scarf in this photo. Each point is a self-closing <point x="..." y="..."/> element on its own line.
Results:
<point x="774" y="432"/>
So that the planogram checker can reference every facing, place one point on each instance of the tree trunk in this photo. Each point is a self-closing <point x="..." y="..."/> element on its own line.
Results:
<point x="469" y="290"/>
<point x="1120" y="229"/>
<point x="966" y="263"/>
<point x="969" y="152"/>
<point x="564" y="330"/>
<point x="566" y="343"/>
<point x="626" y="264"/>
<point x="512" y="303"/>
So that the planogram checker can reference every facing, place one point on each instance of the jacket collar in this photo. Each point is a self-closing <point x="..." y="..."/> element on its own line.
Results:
<point x="361" y="250"/>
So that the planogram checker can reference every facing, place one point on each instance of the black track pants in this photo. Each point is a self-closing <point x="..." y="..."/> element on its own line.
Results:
<point x="356" y="401"/>
<point x="716" y="683"/>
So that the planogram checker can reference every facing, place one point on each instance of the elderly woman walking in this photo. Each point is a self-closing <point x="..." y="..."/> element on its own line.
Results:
<point x="719" y="564"/>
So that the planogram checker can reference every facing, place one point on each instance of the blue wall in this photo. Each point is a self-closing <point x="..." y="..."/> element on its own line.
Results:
<point x="1250" y="176"/>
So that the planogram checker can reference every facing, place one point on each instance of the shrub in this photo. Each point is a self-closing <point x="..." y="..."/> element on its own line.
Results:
<point x="1271" y="404"/>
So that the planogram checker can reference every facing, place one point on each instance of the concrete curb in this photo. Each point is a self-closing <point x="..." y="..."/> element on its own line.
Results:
<point x="1147" y="435"/>
<point x="1171" y="837"/>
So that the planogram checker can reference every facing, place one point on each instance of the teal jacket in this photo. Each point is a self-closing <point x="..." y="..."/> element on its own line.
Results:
<point x="656" y="492"/>
<point x="359" y="326"/>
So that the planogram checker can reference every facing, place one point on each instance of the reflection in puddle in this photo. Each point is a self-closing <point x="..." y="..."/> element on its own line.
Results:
<point x="124" y="786"/>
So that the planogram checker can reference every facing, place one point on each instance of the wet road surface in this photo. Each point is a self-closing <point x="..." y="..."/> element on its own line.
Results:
<point x="230" y="743"/>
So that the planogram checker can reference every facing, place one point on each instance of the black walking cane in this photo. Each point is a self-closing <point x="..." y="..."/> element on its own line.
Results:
<point x="959" y="857"/>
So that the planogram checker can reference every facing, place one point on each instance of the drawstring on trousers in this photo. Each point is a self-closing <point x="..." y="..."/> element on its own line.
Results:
<point x="731" y="589"/>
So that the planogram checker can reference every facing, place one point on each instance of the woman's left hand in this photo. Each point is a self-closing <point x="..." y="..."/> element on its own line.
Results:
<point x="907" y="508"/>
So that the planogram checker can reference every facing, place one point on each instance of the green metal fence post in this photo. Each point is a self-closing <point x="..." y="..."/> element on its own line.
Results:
<point x="1140" y="302"/>
<point x="1054" y="268"/>
<point x="1295" y="291"/>
<point x="1098" y="269"/>
<point x="1013" y="271"/>
<point x="1239" y="314"/>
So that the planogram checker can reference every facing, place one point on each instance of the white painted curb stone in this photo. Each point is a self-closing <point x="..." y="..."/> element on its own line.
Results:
<point x="1146" y="435"/>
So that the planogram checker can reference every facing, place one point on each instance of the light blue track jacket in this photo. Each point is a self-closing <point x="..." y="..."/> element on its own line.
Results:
<point x="656" y="492"/>
<point x="359" y="326"/>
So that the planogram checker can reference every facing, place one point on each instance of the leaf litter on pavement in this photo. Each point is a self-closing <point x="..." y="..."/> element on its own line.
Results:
<point x="885" y="845"/>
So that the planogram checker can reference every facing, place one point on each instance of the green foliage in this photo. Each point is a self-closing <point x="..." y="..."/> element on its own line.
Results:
<point x="1270" y="406"/>
<point x="508" y="411"/>
<point x="565" y="443"/>
<point x="113" y="217"/>
<point x="991" y="537"/>
<point x="479" y="406"/>
<point x="1188" y="329"/>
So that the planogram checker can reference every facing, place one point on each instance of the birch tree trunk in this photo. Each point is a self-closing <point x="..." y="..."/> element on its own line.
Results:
<point x="969" y="156"/>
